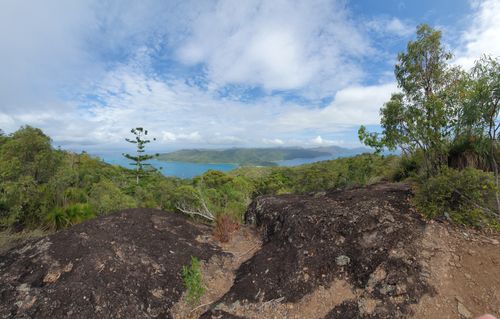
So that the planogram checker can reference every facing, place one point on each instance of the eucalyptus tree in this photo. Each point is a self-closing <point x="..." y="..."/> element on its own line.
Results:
<point x="421" y="115"/>
<point x="482" y="107"/>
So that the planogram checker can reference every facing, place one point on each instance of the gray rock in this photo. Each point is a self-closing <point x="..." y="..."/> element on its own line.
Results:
<point x="463" y="311"/>
<point x="342" y="260"/>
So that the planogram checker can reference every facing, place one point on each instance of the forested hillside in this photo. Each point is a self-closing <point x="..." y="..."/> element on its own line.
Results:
<point x="43" y="187"/>
<point x="243" y="156"/>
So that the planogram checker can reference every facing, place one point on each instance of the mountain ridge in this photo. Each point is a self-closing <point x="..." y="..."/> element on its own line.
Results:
<point x="259" y="156"/>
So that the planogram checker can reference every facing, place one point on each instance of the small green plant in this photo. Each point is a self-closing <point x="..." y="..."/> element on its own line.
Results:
<point x="192" y="278"/>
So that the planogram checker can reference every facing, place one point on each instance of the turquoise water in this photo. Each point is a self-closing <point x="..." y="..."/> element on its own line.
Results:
<point x="177" y="169"/>
<point x="190" y="170"/>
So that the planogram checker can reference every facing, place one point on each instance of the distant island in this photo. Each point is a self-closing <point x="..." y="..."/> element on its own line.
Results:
<point x="255" y="156"/>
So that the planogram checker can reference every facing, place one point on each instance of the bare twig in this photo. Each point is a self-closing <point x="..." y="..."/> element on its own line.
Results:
<point x="200" y="306"/>
<point x="203" y="214"/>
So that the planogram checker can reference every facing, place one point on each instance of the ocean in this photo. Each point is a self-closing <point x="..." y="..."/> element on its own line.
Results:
<point x="190" y="170"/>
<point x="177" y="169"/>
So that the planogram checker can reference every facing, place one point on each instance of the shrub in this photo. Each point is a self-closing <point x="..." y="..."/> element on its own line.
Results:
<point x="56" y="218"/>
<point x="106" y="197"/>
<point x="61" y="217"/>
<point x="78" y="213"/>
<point x="225" y="226"/>
<point x="407" y="166"/>
<point x="465" y="196"/>
<point x="192" y="278"/>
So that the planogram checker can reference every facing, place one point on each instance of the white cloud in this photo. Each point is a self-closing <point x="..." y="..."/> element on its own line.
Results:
<point x="7" y="123"/>
<point x="318" y="140"/>
<point x="278" y="45"/>
<point x="86" y="72"/>
<point x="41" y="50"/>
<point x="181" y="137"/>
<point x="483" y="36"/>
<point x="273" y="141"/>
<point x="391" y="26"/>
<point x="351" y="106"/>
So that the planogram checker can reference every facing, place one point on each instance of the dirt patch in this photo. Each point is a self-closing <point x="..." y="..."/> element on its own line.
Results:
<point x="126" y="265"/>
<point x="313" y="306"/>
<point x="464" y="267"/>
<point x="219" y="272"/>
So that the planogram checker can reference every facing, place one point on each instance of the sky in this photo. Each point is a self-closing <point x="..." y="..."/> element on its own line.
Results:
<point x="217" y="74"/>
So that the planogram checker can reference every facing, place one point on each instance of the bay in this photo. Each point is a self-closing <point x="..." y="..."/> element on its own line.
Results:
<point x="176" y="169"/>
<point x="190" y="170"/>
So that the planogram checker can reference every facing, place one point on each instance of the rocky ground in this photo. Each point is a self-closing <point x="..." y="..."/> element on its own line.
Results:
<point x="126" y="265"/>
<point x="358" y="253"/>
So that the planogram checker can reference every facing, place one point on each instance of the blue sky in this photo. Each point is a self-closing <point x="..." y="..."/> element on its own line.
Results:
<point x="217" y="73"/>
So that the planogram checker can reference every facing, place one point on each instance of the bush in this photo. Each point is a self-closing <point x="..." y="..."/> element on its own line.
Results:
<point x="105" y="197"/>
<point x="192" y="278"/>
<point x="466" y="196"/>
<point x="73" y="214"/>
<point x="225" y="226"/>
<point x="407" y="167"/>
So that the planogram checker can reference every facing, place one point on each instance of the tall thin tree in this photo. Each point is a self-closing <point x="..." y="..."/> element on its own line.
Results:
<point x="140" y="158"/>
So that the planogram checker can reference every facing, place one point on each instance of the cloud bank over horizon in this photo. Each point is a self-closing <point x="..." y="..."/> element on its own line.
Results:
<point x="216" y="73"/>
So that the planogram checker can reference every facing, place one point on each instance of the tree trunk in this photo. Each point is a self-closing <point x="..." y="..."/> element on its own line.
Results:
<point x="495" y="171"/>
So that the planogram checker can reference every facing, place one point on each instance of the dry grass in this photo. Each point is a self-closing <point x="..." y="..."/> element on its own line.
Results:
<point x="225" y="226"/>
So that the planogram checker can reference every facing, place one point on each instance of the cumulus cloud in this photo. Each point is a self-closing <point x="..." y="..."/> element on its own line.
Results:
<point x="196" y="74"/>
<point x="273" y="141"/>
<point x="278" y="45"/>
<point x="391" y="26"/>
<point x="41" y="51"/>
<point x="182" y="137"/>
<point x="351" y="106"/>
<point x="318" y="140"/>
<point x="483" y="35"/>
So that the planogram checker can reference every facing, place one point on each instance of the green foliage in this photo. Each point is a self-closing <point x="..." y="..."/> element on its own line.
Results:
<point x="60" y="217"/>
<point x="465" y="196"/>
<point x="443" y="117"/>
<point x="139" y="160"/>
<point x="242" y="156"/>
<point x="371" y="139"/>
<point x="41" y="186"/>
<point x="192" y="278"/>
<point x="408" y="166"/>
<point x="440" y="106"/>
<point x="106" y="197"/>
<point x="343" y="172"/>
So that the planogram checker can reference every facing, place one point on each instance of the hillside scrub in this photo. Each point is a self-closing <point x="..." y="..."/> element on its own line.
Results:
<point x="41" y="187"/>
<point x="463" y="196"/>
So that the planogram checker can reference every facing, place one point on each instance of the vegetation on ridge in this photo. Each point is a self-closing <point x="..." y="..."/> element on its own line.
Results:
<point x="242" y="156"/>
<point x="49" y="188"/>
<point x="445" y="120"/>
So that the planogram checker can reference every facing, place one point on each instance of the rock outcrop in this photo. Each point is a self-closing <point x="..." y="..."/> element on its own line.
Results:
<point x="364" y="240"/>
<point x="126" y="265"/>
<point x="355" y="253"/>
